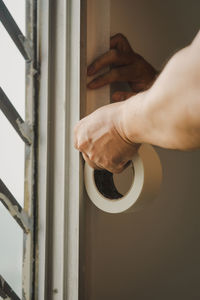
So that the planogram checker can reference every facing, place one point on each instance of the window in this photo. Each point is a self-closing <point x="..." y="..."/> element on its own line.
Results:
<point x="18" y="99"/>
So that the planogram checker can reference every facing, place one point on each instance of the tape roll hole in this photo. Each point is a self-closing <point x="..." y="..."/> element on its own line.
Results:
<point x="114" y="186"/>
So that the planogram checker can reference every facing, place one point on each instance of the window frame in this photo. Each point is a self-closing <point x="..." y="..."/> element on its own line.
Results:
<point x="24" y="216"/>
<point x="59" y="187"/>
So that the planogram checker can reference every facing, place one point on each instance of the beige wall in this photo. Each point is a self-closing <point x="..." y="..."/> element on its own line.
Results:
<point x="153" y="254"/>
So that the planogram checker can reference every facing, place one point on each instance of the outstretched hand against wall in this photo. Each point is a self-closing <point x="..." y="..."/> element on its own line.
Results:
<point x="125" y="66"/>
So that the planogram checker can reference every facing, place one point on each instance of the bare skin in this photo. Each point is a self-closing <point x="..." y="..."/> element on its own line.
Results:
<point x="163" y="113"/>
<point x="126" y="66"/>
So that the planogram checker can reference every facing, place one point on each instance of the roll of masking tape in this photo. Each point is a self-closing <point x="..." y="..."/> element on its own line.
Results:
<point x="147" y="178"/>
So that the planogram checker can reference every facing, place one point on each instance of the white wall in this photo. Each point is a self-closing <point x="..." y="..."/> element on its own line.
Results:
<point x="155" y="253"/>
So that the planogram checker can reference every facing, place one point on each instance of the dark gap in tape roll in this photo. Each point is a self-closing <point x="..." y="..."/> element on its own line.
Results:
<point x="105" y="184"/>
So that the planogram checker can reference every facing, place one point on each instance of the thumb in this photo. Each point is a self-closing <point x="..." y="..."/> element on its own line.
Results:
<point x="121" y="96"/>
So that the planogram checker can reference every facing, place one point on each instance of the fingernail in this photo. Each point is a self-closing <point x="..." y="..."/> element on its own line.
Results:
<point x="90" y="70"/>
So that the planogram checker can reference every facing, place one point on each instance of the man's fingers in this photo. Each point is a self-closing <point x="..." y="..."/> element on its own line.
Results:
<point x="111" y="168"/>
<point x="103" y="61"/>
<point x="104" y="79"/>
<point x="90" y="163"/>
<point x="116" y="169"/>
<point x="120" y="42"/>
<point x="121" y="96"/>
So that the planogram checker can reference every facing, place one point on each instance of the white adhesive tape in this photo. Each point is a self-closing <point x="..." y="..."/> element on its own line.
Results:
<point x="145" y="186"/>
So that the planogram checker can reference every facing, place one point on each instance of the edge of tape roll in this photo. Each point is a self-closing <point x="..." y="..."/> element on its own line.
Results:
<point x="145" y="186"/>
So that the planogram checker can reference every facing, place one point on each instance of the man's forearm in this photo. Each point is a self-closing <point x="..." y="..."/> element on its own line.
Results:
<point x="168" y="113"/>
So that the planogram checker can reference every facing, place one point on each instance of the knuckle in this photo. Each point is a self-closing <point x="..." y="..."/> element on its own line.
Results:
<point x="122" y="163"/>
<point x="106" y="164"/>
<point x="114" y="53"/>
<point x="91" y="156"/>
<point x="120" y="36"/>
<point x="82" y="145"/>
<point x="79" y="147"/>
<point x="118" y="168"/>
<point x="109" y="166"/>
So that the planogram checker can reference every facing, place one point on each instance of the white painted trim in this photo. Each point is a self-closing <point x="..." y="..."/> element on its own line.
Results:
<point x="43" y="45"/>
<point x="95" y="34"/>
<point x="58" y="163"/>
<point x="72" y="168"/>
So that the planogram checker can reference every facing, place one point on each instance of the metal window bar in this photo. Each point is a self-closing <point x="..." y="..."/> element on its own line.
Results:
<point x="14" y="208"/>
<point x="6" y="291"/>
<point x="22" y="128"/>
<point x="25" y="217"/>
<point x="15" y="33"/>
